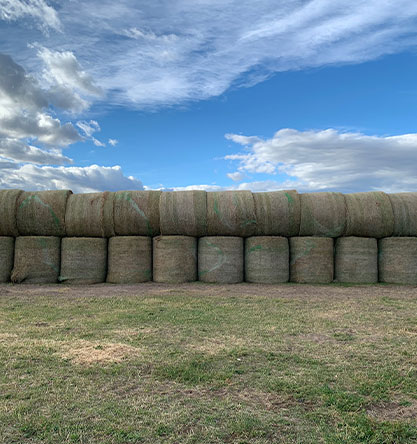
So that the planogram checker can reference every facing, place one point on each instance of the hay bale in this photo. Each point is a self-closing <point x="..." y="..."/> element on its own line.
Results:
<point x="136" y="213"/>
<point x="277" y="213"/>
<point x="397" y="260"/>
<point x="311" y="260"/>
<point x="129" y="259"/>
<point x="8" y="209"/>
<point x="231" y="213"/>
<point x="369" y="215"/>
<point x="42" y="213"/>
<point x="83" y="260"/>
<point x="6" y="257"/>
<point x="36" y="260"/>
<point x="174" y="259"/>
<point x="183" y="212"/>
<point x="322" y="214"/>
<point x="266" y="259"/>
<point x="404" y="206"/>
<point x="220" y="259"/>
<point x="90" y="215"/>
<point x="356" y="260"/>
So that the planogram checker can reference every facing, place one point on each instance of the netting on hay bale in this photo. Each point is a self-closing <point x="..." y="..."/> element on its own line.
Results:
<point x="8" y="209"/>
<point x="36" y="260"/>
<point x="266" y="259"/>
<point x="129" y="259"/>
<point x="404" y="206"/>
<point x="6" y="257"/>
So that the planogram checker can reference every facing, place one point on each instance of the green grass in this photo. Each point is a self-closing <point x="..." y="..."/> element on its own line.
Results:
<point x="208" y="364"/>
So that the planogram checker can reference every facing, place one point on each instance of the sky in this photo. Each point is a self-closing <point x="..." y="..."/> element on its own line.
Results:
<point x="313" y="95"/>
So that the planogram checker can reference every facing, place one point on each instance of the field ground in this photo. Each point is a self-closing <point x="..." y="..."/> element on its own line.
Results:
<point x="208" y="364"/>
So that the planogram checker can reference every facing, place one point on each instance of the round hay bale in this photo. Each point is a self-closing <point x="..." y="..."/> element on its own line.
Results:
<point x="404" y="206"/>
<point x="220" y="259"/>
<point x="36" y="260"/>
<point x="277" y="213"/>
<point x="8" y="209"/>
<point x="129" y="259"/>
<point x="369" y="215"/>
<point x="311" y="260"/>
<point x="231" y="213"/>
<point x="6" y="257"/>
<point x="42" y="213"/>
<point x="356" y="260"/>
<point x="322" y="214"/>
<point x="136" y="213"/>
<point x="83" y="260"/>
<point x="397" y="260"/>
<point x="90" y="215"/>
<point x="183" y="212"/>
<point x="174" y="259"/>
<point x="267" y="259"/>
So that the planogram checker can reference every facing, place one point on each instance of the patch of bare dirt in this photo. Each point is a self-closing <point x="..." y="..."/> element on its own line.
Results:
<point x="391" y="411"/>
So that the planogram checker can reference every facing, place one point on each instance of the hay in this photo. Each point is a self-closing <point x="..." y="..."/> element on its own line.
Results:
<point x="183" y="212"/>
<point x="231" y="213"/>
<point x="83" y="260"/>
<point x="8" y="209"/>
<point x="129" y="259"/>
<point x="220" y="259"/>
<point x="404" y="206"/>
<point x="136" y="213"/>
<point x="277" y="213"/>
<point x="174" y="259"/>
<point x="311" y="260"/>
<point x="369" y="215"/>
<point x="266" y="259"/>
<point x="322" y="214"/>
<point x="356" y="260"/>
<point x="397" y="260"/>
<point x="6" y="257"/>
<point x="36" y="259"/>
<point x="90" y="215"/>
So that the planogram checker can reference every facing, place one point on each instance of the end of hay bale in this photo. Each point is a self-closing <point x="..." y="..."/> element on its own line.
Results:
<point x="8" y="210"/>
<point x="6" y="258"/>
<point x="404" y="206"/>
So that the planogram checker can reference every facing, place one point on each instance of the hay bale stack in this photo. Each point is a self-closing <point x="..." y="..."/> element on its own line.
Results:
<point x="174" y="259"/>
<point x="220" y="259"/>
<point x="356" y="260"/>
<point x="266" y="259"/>
<point x="311" y="260"/>
<point x="8" y="209"/>
<point x="369" y="215"/>
<point x="397" y="260"/>
<point x="83" y="260"/>
<point x="231" y="213"/>
<point x="42" y="213"/>
<point x="36" y="260"/>
<point x="90" y="215"/>
<point x="183" y="212"/>
<point x="277" y="213"/>
<point x="404" y="206"/>
<point x="6" y="257"/>
<point x="322" y="214"/>
<point x="129" y="259"/>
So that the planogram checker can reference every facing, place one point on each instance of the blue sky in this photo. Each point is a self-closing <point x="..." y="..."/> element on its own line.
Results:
<point x="313" y="95"/>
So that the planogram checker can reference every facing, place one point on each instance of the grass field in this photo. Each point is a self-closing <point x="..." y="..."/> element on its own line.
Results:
<point x="208" y="364"/>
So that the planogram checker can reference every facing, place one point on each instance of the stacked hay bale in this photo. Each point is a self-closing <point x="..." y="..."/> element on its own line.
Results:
<point x="6" y="257"/>
<point x="8" y="209"/>
<point x="398" y="260"/>
<point x="404" y="206"/>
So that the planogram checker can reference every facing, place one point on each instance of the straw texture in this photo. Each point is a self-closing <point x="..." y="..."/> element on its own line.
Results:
<point x="398" y="260"/>
<point x="6" y="257"/>
<point x="8" y="209"/>
<point x="404" y="206"/>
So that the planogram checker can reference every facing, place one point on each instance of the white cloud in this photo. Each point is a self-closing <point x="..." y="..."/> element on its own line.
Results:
<point x="113" y="142"/>
<point x="236" y="176"/>
<point x="88" y="128"/>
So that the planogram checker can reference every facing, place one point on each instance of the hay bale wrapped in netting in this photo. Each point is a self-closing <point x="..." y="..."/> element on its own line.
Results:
<point x="136" y="213"/>
<point x="277" y="213"/>
<point x="42" y="213"/>
<point x="266" y="259"/>
<point x="83" y="260"/>
<point x="369" y="214"/>
<point x="36" y="259"/>
<point x="129" y="259"/>
<point x="220" y="259"/>
<point x="231" y="213"/>
<point x="404" y="206"/>
<point x="311" y="260"/>
<point x="90" y="215"/>
<point x="356" y="260"/>
<point x="6" y="257"/>
<point x="183" y="212"/>
<point x="322" y="214"/>
<point x="8" y="209"/>
<point x="397" y="260"/>
<point x="174" y="259"/>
